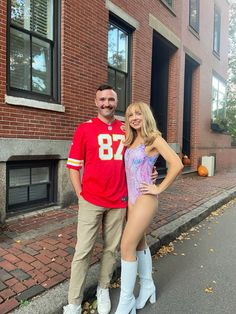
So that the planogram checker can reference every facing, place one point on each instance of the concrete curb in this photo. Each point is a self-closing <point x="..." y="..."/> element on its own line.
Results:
<point x="52" y="301"/>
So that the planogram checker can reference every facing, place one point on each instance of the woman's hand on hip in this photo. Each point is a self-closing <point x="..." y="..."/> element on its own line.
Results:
<point x="146" y="188"/>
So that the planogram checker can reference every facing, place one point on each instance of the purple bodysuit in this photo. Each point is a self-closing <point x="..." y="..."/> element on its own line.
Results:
<point x="138" y="168"/>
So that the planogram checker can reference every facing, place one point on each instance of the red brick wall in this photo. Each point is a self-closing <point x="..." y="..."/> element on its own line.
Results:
<point x="84" y="66"/>
<point x="203" y="140"/>
<point x="174" y="125"/>
<point x="84" y="57"/>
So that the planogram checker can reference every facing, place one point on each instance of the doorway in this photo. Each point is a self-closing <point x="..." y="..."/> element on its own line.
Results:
<point x="161" y="52"/>
<point x="190" y="66"/>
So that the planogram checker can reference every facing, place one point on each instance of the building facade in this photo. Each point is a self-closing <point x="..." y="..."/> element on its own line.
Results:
<point x="171" y="54"/>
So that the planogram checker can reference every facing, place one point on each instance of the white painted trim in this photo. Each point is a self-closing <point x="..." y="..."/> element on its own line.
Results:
<point x="122" y="14"/>
<point x="192" y="55"/>
<point x="164" y="31"/>
<point x="18" y="101"/>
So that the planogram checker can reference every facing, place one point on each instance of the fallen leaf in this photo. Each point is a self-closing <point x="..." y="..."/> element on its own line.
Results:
<point x="94" y="304"/>
<point x="165" y="249"/>
<point x="86" y="306"/>
<point x="209" y="290"/>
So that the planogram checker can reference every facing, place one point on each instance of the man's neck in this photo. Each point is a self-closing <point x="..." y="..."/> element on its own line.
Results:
<point x="107" y="120"/>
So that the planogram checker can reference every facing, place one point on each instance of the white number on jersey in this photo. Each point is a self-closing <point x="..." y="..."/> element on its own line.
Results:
<point x="105" y="142"/>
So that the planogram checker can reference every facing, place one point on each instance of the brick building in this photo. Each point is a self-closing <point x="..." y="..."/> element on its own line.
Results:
<point x="171" y="54"/>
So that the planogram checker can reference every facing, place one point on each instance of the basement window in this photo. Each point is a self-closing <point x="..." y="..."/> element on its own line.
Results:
<point x="30" y="184"/>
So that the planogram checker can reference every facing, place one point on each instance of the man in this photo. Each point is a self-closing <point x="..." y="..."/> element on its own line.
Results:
<point x="98" y="148"/>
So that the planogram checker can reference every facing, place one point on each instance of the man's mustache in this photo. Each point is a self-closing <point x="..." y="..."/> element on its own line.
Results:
<point x="106" y="107"/>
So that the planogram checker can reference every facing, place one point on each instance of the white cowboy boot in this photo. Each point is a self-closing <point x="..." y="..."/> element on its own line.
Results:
<point x="147" y="287"/>
<point x="128" y="278"/>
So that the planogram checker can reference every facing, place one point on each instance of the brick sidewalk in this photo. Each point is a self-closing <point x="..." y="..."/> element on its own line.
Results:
<point x="36" y="252"/>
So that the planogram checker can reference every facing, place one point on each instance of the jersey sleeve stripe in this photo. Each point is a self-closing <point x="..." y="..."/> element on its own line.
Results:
<point x="75" y="162"/>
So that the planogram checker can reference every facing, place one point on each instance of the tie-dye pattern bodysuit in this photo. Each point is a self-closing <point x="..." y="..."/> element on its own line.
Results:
<point x="138" y="168"/>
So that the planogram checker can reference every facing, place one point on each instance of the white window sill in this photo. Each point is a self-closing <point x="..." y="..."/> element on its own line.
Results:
<point x="121" y="118"/>
<point x="18" y="101"/>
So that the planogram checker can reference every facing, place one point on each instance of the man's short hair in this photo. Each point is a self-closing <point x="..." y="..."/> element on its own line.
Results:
<point x="104" y="87"/>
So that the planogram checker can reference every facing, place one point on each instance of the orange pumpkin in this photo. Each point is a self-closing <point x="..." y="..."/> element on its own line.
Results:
<point x="202" y="171"/>
<point x="186" y="161"/>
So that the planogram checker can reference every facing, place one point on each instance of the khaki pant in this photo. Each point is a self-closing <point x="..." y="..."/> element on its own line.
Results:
<point x="90" y="218"/>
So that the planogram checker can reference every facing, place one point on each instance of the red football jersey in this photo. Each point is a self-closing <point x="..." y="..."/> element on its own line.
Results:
<point x="98" y="147"/>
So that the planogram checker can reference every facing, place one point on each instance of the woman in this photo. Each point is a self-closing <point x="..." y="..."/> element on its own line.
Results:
<point x="144" y="145"/>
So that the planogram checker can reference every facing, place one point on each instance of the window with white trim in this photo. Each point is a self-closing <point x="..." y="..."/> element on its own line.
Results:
<point x="33" y="48"/>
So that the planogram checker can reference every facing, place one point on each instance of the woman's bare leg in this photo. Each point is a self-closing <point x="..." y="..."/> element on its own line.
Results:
<point x="139" y="218"/>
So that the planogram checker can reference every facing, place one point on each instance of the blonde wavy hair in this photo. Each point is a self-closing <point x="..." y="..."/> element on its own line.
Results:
<point x="149" y="130"/>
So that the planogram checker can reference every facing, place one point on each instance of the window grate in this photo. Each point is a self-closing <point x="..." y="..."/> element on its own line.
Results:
<point x="30" y="184"/>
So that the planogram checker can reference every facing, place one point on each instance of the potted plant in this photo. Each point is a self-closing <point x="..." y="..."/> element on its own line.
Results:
<point x="219" y="125"/>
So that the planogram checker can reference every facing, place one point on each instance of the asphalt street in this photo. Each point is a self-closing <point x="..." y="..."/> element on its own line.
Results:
<point x="199" y="274"/>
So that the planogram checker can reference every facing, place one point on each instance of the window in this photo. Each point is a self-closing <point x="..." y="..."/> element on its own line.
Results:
<point x="216" y="35"/>
<point x="218" y="97"/>
<point x="30" y="184"/>
<point x="169" y="2"/>
<point x="119" y="37"/>
<point x="33" y="49"/>
<point x="194" y="15"/>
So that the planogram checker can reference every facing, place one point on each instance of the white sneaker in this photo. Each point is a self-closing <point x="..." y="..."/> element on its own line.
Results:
<point x="103" y="301"/>
<point x="72" y="309"/>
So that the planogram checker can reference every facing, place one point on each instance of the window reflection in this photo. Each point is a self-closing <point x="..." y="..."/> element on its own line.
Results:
<point x="41" y="76"/>
<point x="218" y="98"/>
<point x="118" y="54"/>
<point x="217" y="25"/>
<point x="31" y="45"/>
<point x="117" y="48"/>
<point x="194" y="14"/>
